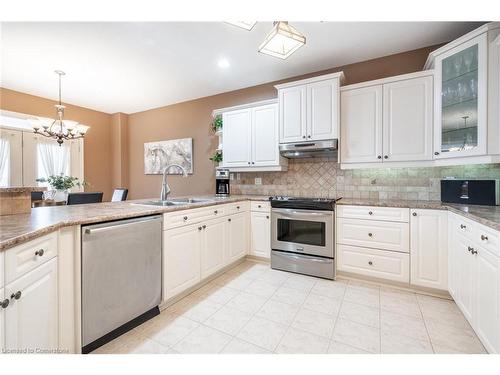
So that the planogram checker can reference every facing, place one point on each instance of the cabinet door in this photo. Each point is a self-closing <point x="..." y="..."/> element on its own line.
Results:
<point x="429" y="248"/>
<point x="361" y="125"/>
<point x="237" y="237"/>
<point x="292" y="102"/>
<point x="487" y="320"/>
<point x="236" y="138"/>
<point x="181" y="259"/>
<point x="323" y="110"/>
<point x="260" y="228"/>
<point x="460" y="93"/>
<point x="213" y="247"/>
<point x="465" y="281"/>
<point x="265" y="140"/>
<point x="2" y="321"/>
<point x="408" y="108"/>
<point x="31" y="322"/>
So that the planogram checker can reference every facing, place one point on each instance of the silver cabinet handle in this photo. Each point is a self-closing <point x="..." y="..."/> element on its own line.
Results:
<point x="299" y="249"/>
<point x="39" y="252"/>
<point x="5" y="303"/>
<point x="484" y="238"/>
<point x="16" y="295"/>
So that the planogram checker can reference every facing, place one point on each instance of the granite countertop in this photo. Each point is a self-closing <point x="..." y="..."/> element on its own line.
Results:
<point x="486" y="215"/>
<point x="22" y="189"/>
<point x="16" y="229"/>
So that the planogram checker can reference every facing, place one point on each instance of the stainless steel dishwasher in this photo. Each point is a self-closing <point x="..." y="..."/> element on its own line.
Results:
<point x="121" y="277"/>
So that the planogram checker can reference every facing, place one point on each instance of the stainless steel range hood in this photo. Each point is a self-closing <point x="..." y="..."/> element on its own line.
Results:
<point x="311" y="149"/>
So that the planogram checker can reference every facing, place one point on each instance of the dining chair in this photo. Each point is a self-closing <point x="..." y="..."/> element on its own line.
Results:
<point x="119" y="194"/>
<point x="83" y="198"/>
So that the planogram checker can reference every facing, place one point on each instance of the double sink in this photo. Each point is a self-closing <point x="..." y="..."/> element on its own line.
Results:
<point x="175" y="202"/>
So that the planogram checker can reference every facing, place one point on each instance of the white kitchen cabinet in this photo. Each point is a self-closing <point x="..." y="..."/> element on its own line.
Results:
<point x="460" y="91"/>
<point x="250" y="138"/>
<point x="213" y="246"/>
<point x="265" y="150"/>
<point x="429" y="248"/>
<point x="309" y="109"/>
<point x="260" y="225"/>
<point x="237" y="237"/>
<point x="31" y="319"/>
<point x="407" y="114"/>
<point x="487" y="320"/>
<point x="2" y="319"/>
<point x="292" y="114"/>
<point x="388" y="120"/>
<point x="466" y="273"/>
<point x="237" y="137"/>
<point x="181" y="259"/>
<point x="361" y="125"/>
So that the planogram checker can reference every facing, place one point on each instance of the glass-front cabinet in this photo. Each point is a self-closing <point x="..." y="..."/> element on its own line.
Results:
<point x="461" y="96"/>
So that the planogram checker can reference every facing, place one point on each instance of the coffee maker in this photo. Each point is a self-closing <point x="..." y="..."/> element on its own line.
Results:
<point x="222" y="182"/>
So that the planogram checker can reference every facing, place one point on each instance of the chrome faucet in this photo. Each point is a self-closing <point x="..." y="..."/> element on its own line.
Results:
<point x="165" y="189"/>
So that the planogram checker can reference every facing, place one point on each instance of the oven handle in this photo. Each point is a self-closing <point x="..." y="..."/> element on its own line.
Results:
<point x="286" y="212"/>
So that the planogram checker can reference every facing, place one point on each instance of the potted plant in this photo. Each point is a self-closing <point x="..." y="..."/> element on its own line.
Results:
<point x="60" y="185"/>
<point x="217" y="156"/>
<point x="216" y="124"/>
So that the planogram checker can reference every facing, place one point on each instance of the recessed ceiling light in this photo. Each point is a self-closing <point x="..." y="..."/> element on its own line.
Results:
<point x="247" y="25"/>
<point x="223" y="63"/>
<point x="282" y="41"/>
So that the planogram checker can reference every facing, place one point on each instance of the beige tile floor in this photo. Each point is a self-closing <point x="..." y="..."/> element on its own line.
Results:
<point x="253" y="309"/>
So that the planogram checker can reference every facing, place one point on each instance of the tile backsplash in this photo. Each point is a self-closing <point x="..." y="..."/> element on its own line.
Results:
<point x="324" y="178"/>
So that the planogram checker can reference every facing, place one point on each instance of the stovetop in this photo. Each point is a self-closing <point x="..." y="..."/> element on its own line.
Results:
<point x="303" y="203"/>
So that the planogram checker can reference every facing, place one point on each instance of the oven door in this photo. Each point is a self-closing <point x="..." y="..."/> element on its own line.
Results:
<point x="302" y="231"/>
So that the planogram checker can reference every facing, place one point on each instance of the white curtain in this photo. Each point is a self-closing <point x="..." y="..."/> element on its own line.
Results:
<point x="4" y="162"/>
<point x="53" y="159"/>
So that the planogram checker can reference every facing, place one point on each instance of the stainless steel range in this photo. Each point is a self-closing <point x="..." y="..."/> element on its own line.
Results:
<point x="302" y="235"/>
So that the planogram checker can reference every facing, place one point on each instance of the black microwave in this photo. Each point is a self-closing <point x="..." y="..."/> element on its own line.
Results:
<point x="482" y="192"/>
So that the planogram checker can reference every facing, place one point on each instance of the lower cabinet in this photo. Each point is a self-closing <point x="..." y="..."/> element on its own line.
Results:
<point x="260" y="238"/>
<point x="181" y="259"/>
<point x="2" y="319"/>
<point x="31" y="318"/>
<point x="237" y="237"/>
<point x="213" y="246"/>
<point x="429" y="248"/>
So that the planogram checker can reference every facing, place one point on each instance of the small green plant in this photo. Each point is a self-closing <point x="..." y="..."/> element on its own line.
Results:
<point x="216" y="124"/>
<point x="60" y="182"/>
<point x="217" y="157"/>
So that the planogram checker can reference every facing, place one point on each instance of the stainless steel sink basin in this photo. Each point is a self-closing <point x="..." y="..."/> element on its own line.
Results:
<point x="174" y="202"/>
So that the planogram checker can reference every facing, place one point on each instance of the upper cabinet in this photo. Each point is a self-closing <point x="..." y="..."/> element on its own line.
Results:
<point x="309" y="109"/>
<point x="388" y="120"/>
<point x="461" y="92"/>
<point x="250" y="138"/>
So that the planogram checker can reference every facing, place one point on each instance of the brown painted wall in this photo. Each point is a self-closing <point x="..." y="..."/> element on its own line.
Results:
<point x="192" y="119"/>
<point x="97" y="161"/>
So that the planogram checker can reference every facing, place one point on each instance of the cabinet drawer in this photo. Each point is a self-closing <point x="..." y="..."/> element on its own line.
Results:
<point x="375" y="213"/>
<point x="25" y="257"/>
<point x="234" y="208"/>
<point x="375" y="263"/>
<point x="192" y="216"/>
<point x="463" y="226"/>
<point x="260" y="206"/>
<point x="376" y="234"/>
<point x="488" y="238"/>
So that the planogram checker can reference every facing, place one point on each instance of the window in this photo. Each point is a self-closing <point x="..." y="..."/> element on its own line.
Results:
<point x="4" y="163"/>
<point x="52" y="160"/>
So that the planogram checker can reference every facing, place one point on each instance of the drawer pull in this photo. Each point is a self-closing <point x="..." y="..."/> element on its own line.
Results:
<point x="370" y="263"/>
<point x="237" y="207"/>
<point x="370" y="213"/>
<point x="185" y="218"/>
<point x="215" y="212"/>
<point x="463" y="226"/>
<point x="472" y="251"/>
<point x="259" y="206"/>
<point x="5" y="303"/>
<point x="229" y="219"/>
<point x="204" y="227"/>
<point x="370" y="234"/>
<point x="414" y="214"/>
<point x="16" y="295"/>
<point x="200" y="228"/>
<point x="484" y="238"/>
<point x="39" y="252"/>
<point x="267" y="216"/>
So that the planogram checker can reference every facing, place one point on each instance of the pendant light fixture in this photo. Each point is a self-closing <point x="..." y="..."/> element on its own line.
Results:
<point x="59" y="129"/>
<point x="282" y="40"/>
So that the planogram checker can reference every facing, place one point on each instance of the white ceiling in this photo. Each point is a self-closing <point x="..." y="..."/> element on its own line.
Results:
<point x="130" y="67"/>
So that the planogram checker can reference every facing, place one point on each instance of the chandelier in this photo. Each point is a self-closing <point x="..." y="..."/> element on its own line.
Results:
<point x="59" y="129"/>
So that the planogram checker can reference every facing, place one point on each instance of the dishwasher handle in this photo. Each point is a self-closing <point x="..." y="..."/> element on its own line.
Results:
<point x="112" y="226"/>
